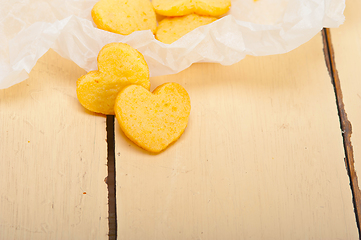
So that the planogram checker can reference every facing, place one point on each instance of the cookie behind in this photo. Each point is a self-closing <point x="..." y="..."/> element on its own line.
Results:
<point x="119" y="65"/>
<point x="172" y="28"/>
<point x="174" y="8"/>
<point x="124" y="16"/>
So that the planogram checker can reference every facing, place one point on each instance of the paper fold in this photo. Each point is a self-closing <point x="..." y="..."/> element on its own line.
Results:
<point x="248" y="29"/>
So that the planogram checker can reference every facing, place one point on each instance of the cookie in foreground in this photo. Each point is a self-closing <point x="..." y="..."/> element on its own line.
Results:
<point x="124" y="16"/>
<point x="173" y="8"/>
<point x="153" y="120"/>
<point x="119" y="65"/>
<point x="171" y="29"/>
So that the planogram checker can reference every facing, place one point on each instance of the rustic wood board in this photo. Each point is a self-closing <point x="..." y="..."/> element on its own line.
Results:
<point x="347" y="52"/>
<point x="53" y="158"/>
<point x="261" y="158"/>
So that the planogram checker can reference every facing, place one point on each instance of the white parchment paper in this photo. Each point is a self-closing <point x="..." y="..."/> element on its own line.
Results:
<point x="29" y="28"/>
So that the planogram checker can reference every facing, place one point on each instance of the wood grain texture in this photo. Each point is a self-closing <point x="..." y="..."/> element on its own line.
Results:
<point x="347" y="59"/>
<point x="53" y="158"/>
<point x="261" y="158"/>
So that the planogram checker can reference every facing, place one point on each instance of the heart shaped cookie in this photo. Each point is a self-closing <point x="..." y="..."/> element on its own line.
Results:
<point x="124" y="16"/>
<point x="185" y="7"/>
<point x="171" y="29"/>
<point x="153" y="120"/>
<point x="119" y="65"/>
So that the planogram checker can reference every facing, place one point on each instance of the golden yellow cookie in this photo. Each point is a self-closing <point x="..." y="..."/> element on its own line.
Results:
<point x="119" y="65"/>
<point x="172" y="28"/>
<point x="153" y="120"/>
<point x="124" y="16"/>
<point x="185" y="7"/>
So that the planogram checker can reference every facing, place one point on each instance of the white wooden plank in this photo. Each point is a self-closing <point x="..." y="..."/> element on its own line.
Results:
<point x="347" y="48"/>
<point x="261" y="158"/>
<point x="53" y="158"/>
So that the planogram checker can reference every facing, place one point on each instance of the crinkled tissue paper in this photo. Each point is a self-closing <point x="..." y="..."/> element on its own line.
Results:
<point x="29" y="28"/>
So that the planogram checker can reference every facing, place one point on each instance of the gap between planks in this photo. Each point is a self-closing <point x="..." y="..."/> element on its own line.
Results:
<point x="112" y="219"/>
<point x="345" y="125"/>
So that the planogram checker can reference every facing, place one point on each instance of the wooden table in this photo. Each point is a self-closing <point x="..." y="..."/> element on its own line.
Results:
<point x="272" y="151"/>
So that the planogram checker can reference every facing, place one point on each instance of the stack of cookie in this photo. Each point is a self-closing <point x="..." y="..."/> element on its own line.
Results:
<point x="121" y="84"/>
<point x="181" y="16"/>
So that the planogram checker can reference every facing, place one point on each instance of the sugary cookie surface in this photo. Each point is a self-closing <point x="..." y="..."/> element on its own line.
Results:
<point x="172" y="28"/>
<point x="153" y="120"/>
<point x="185" y="7"/>
<point x="124" y="16"/>
<point x="119" y="65"/>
